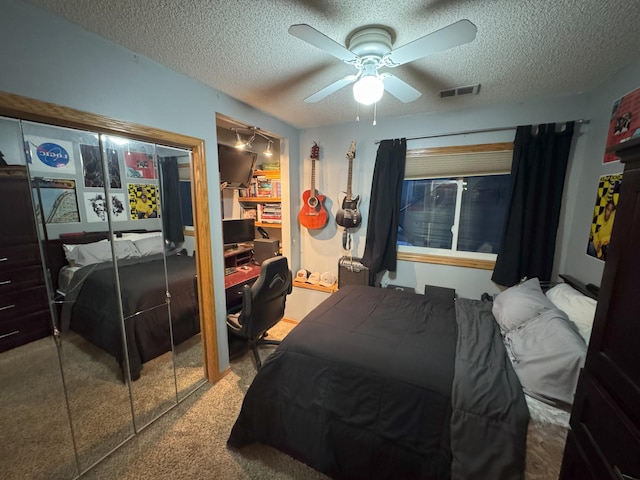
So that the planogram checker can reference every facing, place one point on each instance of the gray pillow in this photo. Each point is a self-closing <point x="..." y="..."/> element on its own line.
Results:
<point x="520" y="303"/>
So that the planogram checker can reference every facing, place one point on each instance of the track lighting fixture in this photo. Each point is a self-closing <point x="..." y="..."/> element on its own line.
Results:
<point x="239" y="142"/>
<point x="268" y="151"/>
<point x="251" y="132"/>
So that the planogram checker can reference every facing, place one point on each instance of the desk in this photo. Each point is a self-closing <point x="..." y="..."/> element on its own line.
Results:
<point x="235" y="282"/>
<point x="240" y="255"/>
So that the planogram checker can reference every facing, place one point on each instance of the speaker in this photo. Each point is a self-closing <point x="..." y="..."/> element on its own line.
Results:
<point x="264" y="248"/>
<point x="352" y="272"/>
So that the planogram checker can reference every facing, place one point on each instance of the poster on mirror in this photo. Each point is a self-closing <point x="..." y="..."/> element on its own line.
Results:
<point x="140" y="165"/>
<point x="95" y="206"/>
<point x="58" y="199"/>
<point x="92" y="166"/>
<point x="604" y="214"/>
<point x="49" y="156"/>
<point x="143" y="201"/>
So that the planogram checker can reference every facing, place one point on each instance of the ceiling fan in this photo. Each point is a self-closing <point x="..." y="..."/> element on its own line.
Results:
<point x="369" y="49"/>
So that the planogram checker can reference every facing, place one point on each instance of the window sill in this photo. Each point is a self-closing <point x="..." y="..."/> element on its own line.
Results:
<point x="443" y="260"/>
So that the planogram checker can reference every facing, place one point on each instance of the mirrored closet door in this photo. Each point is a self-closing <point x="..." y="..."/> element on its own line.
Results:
<point x="118" y="275"/>
<point x="36" y="430"/>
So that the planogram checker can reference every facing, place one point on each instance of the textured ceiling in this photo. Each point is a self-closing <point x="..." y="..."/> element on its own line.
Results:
<point x="523" y="48"/>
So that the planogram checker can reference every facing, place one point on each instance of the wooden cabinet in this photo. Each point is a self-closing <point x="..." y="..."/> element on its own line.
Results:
<point x="24" y="311"/>
<point x="604" y="441"/>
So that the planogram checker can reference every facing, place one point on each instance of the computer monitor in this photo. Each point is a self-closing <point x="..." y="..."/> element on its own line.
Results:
<point x="235" y="231"/>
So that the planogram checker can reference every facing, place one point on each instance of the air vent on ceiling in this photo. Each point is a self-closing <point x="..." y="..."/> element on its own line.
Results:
<point x="456" y="92"/>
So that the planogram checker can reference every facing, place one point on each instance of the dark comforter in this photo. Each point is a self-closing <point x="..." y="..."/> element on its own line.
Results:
<point x="92" y="306"/>
<point x="375" y="383"/>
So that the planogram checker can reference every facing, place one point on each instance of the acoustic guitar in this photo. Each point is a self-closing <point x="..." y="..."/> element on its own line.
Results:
<point x="313" y="214"/>
<point x="349" y="216"/>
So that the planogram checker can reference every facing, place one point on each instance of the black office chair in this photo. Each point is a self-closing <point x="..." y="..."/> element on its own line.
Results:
<point x="262" y="305"/>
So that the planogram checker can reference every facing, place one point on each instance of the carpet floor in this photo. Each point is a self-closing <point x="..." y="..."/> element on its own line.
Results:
<point x="189" y="441"/>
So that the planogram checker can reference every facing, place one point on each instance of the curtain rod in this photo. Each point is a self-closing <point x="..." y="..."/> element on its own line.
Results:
<point x="466" y="132"/>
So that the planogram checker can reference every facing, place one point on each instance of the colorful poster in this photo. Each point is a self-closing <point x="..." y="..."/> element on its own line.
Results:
<point x="92" y="167"/>
<point x="95" y="205"/>
<point x="49" y="156"/>
<point x="143" y="201"/>
<point x="624" y="122"/>
<point x="58" y="200"/>
<point x="140" y="165"/>
<point x="604" y="215"/>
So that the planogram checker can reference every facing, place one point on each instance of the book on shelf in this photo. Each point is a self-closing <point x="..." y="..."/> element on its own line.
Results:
<point x="268" y="213"/>
<point x="262" y="187"/>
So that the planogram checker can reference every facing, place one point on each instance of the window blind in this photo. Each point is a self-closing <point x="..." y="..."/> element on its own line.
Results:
<point x="459" y="161"/>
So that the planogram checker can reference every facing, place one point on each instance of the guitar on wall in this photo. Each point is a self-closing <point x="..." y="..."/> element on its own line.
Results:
<point x="313" y="214"/>
<point x="349" y="216"/>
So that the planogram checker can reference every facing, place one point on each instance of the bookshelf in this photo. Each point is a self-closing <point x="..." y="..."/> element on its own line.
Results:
<point x="262" y="200"/>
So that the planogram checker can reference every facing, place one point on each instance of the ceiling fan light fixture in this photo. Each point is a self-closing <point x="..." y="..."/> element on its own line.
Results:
<point x="368" y="89"/>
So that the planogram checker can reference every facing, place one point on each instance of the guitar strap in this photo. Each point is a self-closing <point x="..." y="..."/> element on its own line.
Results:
<point x="346" y="239"/>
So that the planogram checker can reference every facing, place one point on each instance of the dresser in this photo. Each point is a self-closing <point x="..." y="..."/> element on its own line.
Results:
<point x="24" y="310"/>
<point x="604" y="439"/>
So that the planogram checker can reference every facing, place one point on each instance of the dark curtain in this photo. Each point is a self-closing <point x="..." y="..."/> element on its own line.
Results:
<point x="537" y="180"/>
<point x="170" y="191"/>
<point x="384" y="208"/>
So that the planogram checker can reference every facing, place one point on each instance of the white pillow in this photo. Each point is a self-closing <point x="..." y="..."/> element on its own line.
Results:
<point x="579" y="308"/>
<point x="70" y="247"/>
<point x="150" y="245"/>
<point x="98" y="252"/>
<point x="519" y="303"/>
<point x="138" y="236"/>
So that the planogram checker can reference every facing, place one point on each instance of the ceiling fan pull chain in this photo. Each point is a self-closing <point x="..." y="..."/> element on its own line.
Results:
<point x="357" y="112"/>
<point x="375" y="112"/>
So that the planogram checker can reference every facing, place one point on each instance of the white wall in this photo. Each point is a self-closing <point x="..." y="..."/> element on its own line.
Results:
<point x="49" y="59"/>
<point x="321" y="249"/>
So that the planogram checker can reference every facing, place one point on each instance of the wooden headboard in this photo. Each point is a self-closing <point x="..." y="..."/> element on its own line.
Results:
<point x="590" y="290"/>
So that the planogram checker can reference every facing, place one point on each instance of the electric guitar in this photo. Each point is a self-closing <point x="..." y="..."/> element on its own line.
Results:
<point x="313" y="214"/>
<point x="348" y="216"/>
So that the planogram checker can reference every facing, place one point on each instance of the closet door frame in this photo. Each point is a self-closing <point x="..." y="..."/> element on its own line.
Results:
<point x="24" y="108"/>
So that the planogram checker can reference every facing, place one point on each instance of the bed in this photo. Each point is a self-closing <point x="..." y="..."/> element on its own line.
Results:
<point x="83" y="276"/>
<point x="380" y="383"/>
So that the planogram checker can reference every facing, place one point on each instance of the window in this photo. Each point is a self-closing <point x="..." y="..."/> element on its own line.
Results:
<point x="454" y="201"/>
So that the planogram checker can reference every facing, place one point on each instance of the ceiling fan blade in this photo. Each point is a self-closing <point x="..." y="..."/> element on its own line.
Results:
<point x="458" y="33"/>
<point x="399" y="88"/>
<point x="328" y="90"/>
<point x="321" y="41"/>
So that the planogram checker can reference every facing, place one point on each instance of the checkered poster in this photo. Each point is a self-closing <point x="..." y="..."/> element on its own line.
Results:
<point x="143" y="200"/>
<point x="604" y="215"/>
